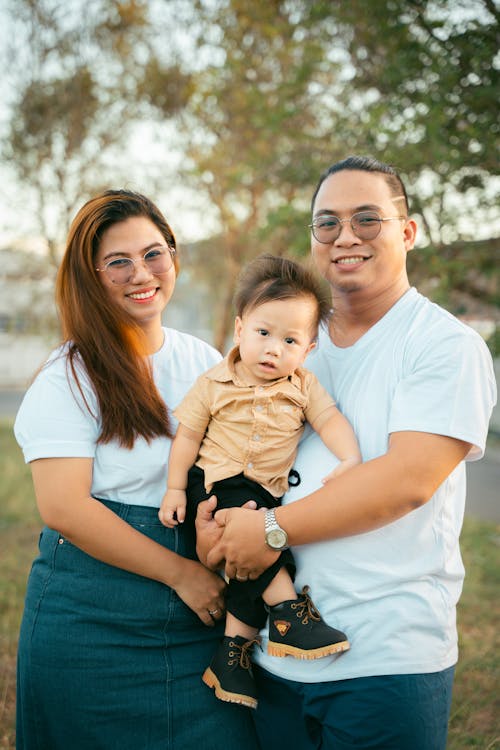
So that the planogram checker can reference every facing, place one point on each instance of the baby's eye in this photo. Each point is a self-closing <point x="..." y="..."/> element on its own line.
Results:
<point x="289" y="340"/>
<point x="262" y="332"/>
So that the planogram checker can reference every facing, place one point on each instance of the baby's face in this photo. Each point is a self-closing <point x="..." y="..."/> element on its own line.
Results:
<point x="275" y="338"/>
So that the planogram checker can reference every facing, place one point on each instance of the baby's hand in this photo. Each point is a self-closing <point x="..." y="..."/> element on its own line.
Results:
<point x="342" y="467"/>
<point x="173" y="504"/>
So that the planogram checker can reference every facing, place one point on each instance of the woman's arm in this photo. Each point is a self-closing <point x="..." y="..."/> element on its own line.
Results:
<point x="366" y="497"/>
<point x="62" y="488"/>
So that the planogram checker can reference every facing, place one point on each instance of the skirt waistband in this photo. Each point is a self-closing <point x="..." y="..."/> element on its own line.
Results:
<point x="132" y="513"/>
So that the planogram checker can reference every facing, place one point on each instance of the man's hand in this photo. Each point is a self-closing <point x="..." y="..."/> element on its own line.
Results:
<point x="209" y="532"/>
<point x="242" y="544"/>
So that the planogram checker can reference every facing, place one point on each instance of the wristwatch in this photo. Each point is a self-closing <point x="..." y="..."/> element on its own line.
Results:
<point x="276" y="537"/>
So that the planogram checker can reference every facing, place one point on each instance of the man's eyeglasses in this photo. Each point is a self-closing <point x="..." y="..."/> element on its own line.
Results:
<point x="366" y="225"/>
<point x="158" y="260"/>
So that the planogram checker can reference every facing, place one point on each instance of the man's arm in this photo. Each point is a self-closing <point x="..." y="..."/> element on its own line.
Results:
<point x="367" y="497"/>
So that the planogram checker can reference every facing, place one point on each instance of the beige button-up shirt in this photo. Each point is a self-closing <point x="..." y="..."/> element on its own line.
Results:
<point x="254" y="429"/>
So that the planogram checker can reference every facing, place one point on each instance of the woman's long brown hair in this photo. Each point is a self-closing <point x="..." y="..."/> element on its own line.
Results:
<point x="110" y="344"/>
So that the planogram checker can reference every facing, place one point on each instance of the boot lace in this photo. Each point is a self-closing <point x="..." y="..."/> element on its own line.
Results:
<point x="305" y="607"/>
<point x="242" y="653"/>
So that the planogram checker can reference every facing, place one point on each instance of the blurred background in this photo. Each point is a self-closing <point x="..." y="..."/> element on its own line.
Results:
<point x="225" y="112"/>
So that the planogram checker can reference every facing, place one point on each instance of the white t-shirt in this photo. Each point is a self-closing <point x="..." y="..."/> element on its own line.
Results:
<point x="54" y="422"/>
<point x="393" y="591"/>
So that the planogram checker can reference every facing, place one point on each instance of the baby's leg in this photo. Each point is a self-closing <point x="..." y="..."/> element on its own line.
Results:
<point x="281" y="589"/>
<point x="237" y="627"/>
<point x="230" y="671"/>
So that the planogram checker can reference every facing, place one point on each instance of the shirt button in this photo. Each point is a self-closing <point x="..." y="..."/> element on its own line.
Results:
<point x="259" y="407"/>
<point x="60" y="541"/>
<point x="260" y="388"/>
<point x="250" y="465"/>
<point x="256" y="437"/>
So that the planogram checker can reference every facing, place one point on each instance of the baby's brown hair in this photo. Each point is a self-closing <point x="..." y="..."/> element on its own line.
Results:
<point x="270" y="277"/>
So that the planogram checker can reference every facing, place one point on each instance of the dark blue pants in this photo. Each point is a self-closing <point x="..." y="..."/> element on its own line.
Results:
<point x="394" y="712"/>
<point x="109" y="660"/>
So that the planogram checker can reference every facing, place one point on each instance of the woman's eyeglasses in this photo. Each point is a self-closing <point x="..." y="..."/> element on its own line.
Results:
<point x="158" y="260"/>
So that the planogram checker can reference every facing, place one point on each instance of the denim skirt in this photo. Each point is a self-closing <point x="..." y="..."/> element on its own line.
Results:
<point x="109" y="660"/>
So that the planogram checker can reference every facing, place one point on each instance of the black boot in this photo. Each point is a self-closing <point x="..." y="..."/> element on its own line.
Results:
<point x="296" y="629"/>
<point x="230" y="671"/>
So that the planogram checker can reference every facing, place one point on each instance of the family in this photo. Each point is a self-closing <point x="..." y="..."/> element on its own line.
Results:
<point x="260" y="551"/>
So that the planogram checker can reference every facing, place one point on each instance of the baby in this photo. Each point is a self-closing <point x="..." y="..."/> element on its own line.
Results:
<point x="239" y="427"/>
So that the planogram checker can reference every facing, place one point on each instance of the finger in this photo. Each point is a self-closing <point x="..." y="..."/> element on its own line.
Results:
<point x="230" y="570"/>
<point x="167" y="519"/>
<point x="206" y="618"/>
<point x="206" y="509"/>
<point x="221" y="516"/>
<point x="217" y="613"/>
<point x="250" y="504"/>
<point x="181" y="514"/>
<point x="215" y="556"/>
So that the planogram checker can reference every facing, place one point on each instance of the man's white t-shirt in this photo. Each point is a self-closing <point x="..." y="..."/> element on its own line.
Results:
<point x="53" y="421"/>
<point x="393" y="591"/>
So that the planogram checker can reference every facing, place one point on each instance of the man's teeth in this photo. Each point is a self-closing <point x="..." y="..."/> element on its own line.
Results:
<point x="356" y="259"/>
<point x="143" y="295"/>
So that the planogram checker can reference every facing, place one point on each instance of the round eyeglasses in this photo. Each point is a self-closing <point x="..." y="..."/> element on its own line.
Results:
<point x="366" y="225"/>
<point x="158" y="260"/>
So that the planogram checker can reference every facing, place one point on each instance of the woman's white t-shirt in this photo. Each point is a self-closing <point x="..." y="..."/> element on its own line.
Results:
<point x="54" y="422"/>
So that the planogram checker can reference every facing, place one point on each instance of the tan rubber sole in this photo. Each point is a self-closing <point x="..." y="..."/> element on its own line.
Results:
<point x="282" y="649"/>
<point x="210" y="679"/>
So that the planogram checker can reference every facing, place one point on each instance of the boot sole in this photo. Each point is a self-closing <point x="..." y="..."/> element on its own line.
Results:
<point x="282" y="649"/>
<point x="210" y="679"/>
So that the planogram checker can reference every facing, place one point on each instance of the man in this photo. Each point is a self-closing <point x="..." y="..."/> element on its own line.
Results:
<point x="379" y="545"/>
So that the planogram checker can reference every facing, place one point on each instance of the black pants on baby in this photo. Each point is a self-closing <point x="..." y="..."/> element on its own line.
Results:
<point x="243" y="598"/>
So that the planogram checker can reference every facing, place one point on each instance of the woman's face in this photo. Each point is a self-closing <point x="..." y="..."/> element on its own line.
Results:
<point x="145" y="295"/>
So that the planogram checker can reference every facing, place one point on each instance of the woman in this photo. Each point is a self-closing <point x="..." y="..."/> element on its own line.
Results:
<point x="114" y="635"/>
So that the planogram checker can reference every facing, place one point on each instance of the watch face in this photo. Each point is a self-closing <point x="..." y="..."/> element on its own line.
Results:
<point x="276" y="538"/>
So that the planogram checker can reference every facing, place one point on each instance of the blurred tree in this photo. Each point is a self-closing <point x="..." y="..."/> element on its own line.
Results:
<point x="428" y="73"/>
<point x="255" y="137"/>
<point x="264" y="96"/>
<point x="279" y="90"/>
<point x="72" y="101"/>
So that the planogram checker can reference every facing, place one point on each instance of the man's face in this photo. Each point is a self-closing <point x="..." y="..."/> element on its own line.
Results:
<point x="351" y="264"/>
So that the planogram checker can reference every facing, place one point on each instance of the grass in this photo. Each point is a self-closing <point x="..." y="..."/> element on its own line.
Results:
<point x="476" y="707"/>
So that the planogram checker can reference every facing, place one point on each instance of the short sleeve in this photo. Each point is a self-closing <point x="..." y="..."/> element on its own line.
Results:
<point x="448" y="388"/>
<point x="53" y="420"/>
<point x="194" y="410"/>
<point x="319" y="400"/>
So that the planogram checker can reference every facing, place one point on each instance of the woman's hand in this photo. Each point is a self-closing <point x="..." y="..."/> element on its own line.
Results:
<point x="202" y="591"/>
<point x="242" y="545"/>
